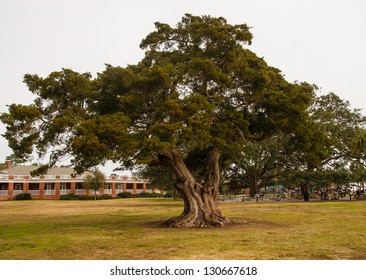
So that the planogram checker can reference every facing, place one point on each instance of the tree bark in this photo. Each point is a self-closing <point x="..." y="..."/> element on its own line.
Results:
<point x="305" y="189"/>
<point x="253" y="186"/>
<point x="200" y="200"/>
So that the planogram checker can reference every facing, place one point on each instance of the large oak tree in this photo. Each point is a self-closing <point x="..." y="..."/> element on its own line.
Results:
<point x="199" y="93"/>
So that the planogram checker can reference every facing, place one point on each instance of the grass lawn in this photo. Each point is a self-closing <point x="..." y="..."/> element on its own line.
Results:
<point x="130" y="229"/>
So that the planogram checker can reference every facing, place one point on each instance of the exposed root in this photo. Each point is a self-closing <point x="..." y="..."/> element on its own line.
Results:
<point x="192" y="221"/>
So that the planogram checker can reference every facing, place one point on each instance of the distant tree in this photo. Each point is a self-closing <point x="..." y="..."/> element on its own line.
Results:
<point x="326" y="148"/>
<point x="14" y="159"/>
<point x="261" y="163"/>
<point x="308" y="151"/>
<point x="94" y="182"/>
<point x="2" y="166"/>
<point x="358" y="166"/>
<point x="358" y="146"/>
<point x="343" y="127"/>
<point x="157" y="178"/>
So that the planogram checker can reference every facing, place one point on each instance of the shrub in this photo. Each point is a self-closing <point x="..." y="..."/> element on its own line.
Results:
<point x="23" y="196"/>
<point x="69" y="196"/>
<point x="146" y="195"/>
<point x="85" y="197"/>
<point x="125" y="195"/>
<point x="142" y="195"/>
<point x="72" y="196"/>
<point x="168" y="194"/>
<point x="104" y="196"/>
<point x="139" y="195"/>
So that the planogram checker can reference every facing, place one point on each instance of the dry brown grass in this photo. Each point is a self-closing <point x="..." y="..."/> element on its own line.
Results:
<point x="131" y="229"/>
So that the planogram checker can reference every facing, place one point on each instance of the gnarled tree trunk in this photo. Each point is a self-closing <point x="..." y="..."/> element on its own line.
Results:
<point x="200" y="200"/>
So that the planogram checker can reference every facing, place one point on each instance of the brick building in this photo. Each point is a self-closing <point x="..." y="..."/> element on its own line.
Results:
<point x="60" y="181"/>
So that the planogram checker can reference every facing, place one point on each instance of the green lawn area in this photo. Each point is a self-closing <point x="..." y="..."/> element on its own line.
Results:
<point x="131" y="229"/>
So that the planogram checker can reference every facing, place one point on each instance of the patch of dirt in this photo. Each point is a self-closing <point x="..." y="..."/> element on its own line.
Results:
<point x="155" y="224"/>
<point x="235" y="224"/>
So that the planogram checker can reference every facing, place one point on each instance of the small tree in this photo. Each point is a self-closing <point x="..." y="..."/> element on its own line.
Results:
<point x="94" y="182"/>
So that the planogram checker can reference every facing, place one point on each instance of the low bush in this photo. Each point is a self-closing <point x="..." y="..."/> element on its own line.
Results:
<point x="70" y="196"/>
<point x="105" y="196"/>
<point x="148" y="195"/>
<point x="23" y="196"/>
<point x="139" y="195"/>
<point x="125" y="195"/>
<point x="85" y="197"/>
<point x="168" y="194"/>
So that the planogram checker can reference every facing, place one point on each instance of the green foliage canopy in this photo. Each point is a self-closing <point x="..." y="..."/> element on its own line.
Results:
<point x="197" y="87"/>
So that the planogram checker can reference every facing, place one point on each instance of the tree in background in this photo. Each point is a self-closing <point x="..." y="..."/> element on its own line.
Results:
<point x="342" y="125"/>
<point x="261" y="164"/>
<point x="358" y="166"/>
<point x="157" y="178"/>
<point x="327" y="153"/>
<point x="358" y="146"/>
<point x="94" y="181"/>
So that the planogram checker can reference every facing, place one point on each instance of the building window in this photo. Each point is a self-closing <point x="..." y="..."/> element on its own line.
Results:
<point x="18" y="187"/>
<point x="65" y="188"/>
<point x="33" y="188"/>
<point x="108" y="188"/>
<point x="4" y="189"/>
<point x="49" y="189"/>
<point x="119" y="188"/>
<point x="79" y="189"/>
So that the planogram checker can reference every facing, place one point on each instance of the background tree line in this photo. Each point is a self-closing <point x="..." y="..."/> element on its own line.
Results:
<point x="331" y="150"/>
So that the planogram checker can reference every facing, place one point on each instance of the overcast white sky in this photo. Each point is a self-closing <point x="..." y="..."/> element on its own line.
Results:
<point x="317" y="41"/>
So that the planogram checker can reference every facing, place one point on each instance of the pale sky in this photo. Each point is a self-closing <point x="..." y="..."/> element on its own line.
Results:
<point x="322" y="42"/>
